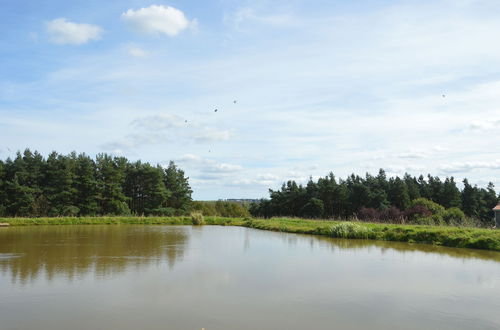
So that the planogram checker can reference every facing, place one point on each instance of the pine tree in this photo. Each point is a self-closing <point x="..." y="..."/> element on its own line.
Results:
<point x="398" y="194"/>
<point x="450" y="194"/>
<point x="178" y="184"/>
<point x="111" y="178"/>
<point x="85" y="184"/>
<point x="470" y="200"/>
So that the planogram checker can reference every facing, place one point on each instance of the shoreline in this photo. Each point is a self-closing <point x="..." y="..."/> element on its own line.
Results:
<point x="456" y="237"/>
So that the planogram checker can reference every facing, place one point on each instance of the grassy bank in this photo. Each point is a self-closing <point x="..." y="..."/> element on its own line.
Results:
<point x="486" y="239"/>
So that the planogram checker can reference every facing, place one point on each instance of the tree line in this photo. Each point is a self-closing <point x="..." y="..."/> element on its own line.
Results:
<point x="78" y="185"/>
<point x="426" y="200"/>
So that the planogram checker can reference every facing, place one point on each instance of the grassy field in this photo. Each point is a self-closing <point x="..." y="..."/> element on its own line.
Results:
<point x="486" y="239"/>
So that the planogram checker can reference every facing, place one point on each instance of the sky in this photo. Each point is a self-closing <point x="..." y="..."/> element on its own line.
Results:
<point x="301" y="88"/>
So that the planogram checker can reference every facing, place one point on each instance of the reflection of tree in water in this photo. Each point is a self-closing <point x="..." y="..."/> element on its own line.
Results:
<point x="401" y="247"/>
<point x="338" y="244"/>
<point x="76" y="250"/>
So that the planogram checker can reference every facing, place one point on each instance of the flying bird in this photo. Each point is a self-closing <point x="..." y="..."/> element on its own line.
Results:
<point x="235" y="101"/>
<point x="216" y="110"/>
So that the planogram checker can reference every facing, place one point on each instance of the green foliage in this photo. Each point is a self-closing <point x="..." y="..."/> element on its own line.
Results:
<point x="430" y="205"/>
<point x="197" y="218"/>
<point x="313" y="209"/>
<point x="454" y="216"/>
<point x="425" y="221"/>
<point x="350" y="230"/>
<point x="410" y="197"/>
<point x="178" y="185"/>
<point x="221" y="209"/>
<point x="77" y="185"/>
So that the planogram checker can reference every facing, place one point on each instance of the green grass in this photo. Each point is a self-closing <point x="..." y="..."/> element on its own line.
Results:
<point x="460" y="237"/>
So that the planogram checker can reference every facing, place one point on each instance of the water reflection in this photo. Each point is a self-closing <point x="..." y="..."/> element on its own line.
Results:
<point x="28" y="252"/>
<point x="226" y="278"/>
<point x="336" y="244"/>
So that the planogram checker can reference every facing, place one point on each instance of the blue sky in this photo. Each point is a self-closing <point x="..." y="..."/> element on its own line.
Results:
<point x="342" y="86"/>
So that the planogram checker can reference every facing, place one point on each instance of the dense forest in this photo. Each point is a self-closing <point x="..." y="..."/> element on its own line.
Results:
<point x="77" y="185"/>
<point x="422" y="200"/>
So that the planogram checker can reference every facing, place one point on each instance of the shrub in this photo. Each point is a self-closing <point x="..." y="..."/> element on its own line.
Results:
<point x="435" y="208"/>
<point x="416" y="212"/>
<point x="221" y="209"/>
<point x="392" y="214"/>
<point x="368" y="214"/>
<point x="454" y="216"/>
<point x="164" y="211"/>
<point x="70" y="211"/>
<point x="197" y="218"/>
<point x="428" y="221"/>
<point x="349" y="230"/>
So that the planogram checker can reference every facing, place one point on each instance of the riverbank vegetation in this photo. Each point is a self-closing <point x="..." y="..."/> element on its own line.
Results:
<point x="221" y="209"/>
<point x="461" y="237"/>
<point x="423" y="200"/>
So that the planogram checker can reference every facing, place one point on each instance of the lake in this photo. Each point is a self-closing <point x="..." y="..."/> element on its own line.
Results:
<point x="230" y="278"/>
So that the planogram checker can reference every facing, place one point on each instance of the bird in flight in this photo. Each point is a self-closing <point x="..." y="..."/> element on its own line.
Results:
<point x="216" y="110"/>
<point x="235" y="101"/>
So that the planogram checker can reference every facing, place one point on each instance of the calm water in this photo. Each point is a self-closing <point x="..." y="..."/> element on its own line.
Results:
<point x="229" y="278"/>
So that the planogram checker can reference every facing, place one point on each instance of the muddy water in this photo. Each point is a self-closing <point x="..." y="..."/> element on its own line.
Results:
<point x="228" y="278"/>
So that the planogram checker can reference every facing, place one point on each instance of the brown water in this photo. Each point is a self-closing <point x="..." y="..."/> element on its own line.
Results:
<point x="230" y="278"/>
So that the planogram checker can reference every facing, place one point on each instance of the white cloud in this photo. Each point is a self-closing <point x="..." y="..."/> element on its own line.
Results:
<point x="460" y="167"/>
<point x="223" y="168"/>
<point x="137" y="51"/>
<point x="62" y="31"/>
<point x="157" y="19"/>
<point x="212" y="135"/>
<point x="158" y="122"/>
<point x="253" y="16"/>
<point x="208" y="166"/>
<point x="413" y="155"/>
<point x="480" y="125"/>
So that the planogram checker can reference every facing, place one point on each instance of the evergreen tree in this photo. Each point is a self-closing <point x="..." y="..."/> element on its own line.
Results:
<point x="145" y="189"/>
<point x="111" y="178"/>
<point x="86" y="186"/>
<point x="470" y="200"/>
<point x="313" y="209"/>
<point x="178" y="185"/>
<point x="412" y="186"/>
<point x="450" y="195"/>
<point x="20" y="198"/>
<point x="398" y="194"/>
<point x="58" y="185"/>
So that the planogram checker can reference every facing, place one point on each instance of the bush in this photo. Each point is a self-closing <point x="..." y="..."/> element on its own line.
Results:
<point x="427" y="221"/>
<point x="392" y="215"/>
<point x="435" y="208"/>
<point x="221" y="209"/>
<point x="368" y="214"/>
<point x="350" y="230"/>
<point x="197" y="218"/>
<point x="416" y="212"/>
<point x="454" y="216"/>
<point x="165" y="211"/>
<point x="70" y="211"/>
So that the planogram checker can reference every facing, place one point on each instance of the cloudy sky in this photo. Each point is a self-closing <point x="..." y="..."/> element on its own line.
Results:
<point x="301" y="88"/>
